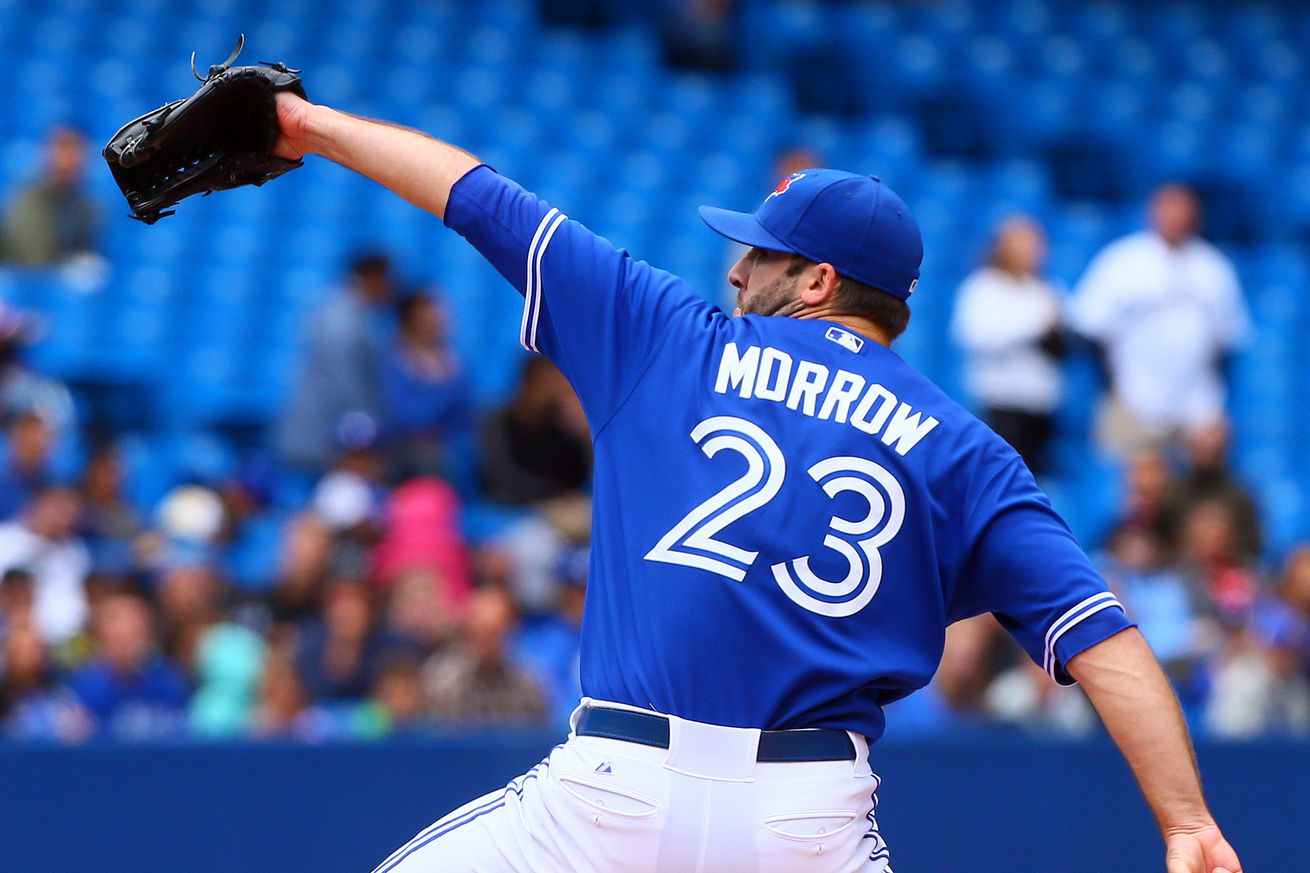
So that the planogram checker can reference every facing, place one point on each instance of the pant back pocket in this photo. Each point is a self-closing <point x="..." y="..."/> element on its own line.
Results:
<point x="614" y="799"/>
<point x="810" y="826"/>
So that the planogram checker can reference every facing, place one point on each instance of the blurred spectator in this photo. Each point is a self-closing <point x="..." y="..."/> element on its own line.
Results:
<point x="130" y="689"/>
<point x="1223" y="583"/>
<point x="1259" y="684"/>
<point x="32" y="705"/>
<point x="1135" y="565"/>
<point x="344" y="343"/>
<point x="79" y="648"/>
<point x="191" y="516"/>
<point x="423" y="540"/>
<point x="350" y="498"/>
<point x="338" y="651"/>
<point x="346" y="501"/>
<point x="417" y="612"/>
<point x="1294" y="587"/>
<point x="189" y="595"/>
<point x="473" y="680"/>
<point x="1165" y="308"/>
<point x="528" y="554"/>
<point x="537" y="447"/>
<point x="1208" y="477"/>
<point x="1024" y="696"/>
<point x="397" y="697"/>
<point x="228" y="661"/>
<point x="23" y="391"/>
<point x="287" y="708"/>
<point x="246" y="494"/>
<point x="110" y="524"/>
<point x="351" y="505"/>
<point x="26" y="464"/>
<point x="44" y="543"/>
<point x="425" y="394"/>
<point x="550" y="645"/>
<point x="1148" y="484"/>
<point x="283" y="700"/>
<point x="17" y="600"/>
<point x="699" y="34"/>
<point x="305" y="561"/>
<point x="53" y="219"/>
<point x="1007" y="318"/>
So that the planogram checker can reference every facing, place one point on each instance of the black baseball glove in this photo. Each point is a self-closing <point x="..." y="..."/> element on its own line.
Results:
<point x="220" y="137"/>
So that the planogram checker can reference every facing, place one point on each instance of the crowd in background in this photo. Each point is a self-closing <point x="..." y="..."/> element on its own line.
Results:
<point x="384" y="615"/>
<point x="379" y="618"/>
<point x="1162" y="312"/>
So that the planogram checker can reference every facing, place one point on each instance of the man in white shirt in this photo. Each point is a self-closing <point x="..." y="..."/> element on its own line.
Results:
<point x="1166" y="308"/>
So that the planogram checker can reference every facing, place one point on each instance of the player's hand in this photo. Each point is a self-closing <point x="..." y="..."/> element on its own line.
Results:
<point x="1201" y="850"/>
<point x="292" y="117"/>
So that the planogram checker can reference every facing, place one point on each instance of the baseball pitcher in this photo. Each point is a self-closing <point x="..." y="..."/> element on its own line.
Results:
<point x="787" y="517"/>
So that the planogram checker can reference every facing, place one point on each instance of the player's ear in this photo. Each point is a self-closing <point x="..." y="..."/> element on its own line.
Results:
<point x="821" y="284"/>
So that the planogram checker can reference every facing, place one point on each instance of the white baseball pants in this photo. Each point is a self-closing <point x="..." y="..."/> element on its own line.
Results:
<point x="704" y="805"/>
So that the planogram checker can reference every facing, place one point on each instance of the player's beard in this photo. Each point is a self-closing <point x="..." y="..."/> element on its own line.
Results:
<point x="772" y="299"/>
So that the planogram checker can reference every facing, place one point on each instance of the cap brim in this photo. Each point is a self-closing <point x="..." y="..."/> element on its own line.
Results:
<point x="742" y="227"/>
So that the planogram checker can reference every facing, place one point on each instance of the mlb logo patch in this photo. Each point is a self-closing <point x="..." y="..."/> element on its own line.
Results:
<point x="845" y="339"/>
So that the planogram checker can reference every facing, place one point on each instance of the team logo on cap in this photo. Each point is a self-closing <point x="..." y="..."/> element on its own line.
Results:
<point x="785" y="184"/>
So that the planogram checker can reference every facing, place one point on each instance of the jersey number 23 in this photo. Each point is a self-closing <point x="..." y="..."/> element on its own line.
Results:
<point x="694" y="542"/>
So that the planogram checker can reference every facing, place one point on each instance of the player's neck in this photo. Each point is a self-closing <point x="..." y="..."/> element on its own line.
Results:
<point x="855" y="323"/>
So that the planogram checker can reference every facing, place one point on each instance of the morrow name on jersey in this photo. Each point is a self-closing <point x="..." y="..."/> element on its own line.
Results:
<point x="846" y="397"/>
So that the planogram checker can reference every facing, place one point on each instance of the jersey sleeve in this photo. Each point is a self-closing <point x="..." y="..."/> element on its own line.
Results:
<point x="1023" y="565"/>
<point x="592" y="309"/>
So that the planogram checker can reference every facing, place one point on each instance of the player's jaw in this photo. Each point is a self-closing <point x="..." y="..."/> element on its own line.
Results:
<point x="777" y="297"/>
<point x="765" y="285"/>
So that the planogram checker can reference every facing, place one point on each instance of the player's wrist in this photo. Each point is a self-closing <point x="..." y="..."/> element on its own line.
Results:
<point x="1197" y="823"/>
<point x="316" y="129"/>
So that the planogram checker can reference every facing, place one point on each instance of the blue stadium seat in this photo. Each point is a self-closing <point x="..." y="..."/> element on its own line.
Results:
<point x="860" y="26"/>
<point x="777" y="32"/>
<point x="1282" y="508"/>
<point x="1277" y="63"/>
<point x="147" y="475"/>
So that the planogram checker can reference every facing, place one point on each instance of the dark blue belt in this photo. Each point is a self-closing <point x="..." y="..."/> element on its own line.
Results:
<point x="776" y="747"/>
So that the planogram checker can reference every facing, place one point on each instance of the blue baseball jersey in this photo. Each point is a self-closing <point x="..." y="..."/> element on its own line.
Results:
<point x="786" y="515"/>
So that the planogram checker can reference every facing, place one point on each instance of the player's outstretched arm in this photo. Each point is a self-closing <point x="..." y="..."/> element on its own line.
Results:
<point x="1126" y="685"/>
<point x="414" y="165"/>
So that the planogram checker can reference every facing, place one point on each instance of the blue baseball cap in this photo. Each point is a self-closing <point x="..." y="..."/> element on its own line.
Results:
<point x="856" y="223"/>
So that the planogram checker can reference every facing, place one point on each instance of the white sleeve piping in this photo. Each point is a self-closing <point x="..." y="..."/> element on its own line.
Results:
<point x="1071" y="619"/>
<point x="532" y="292"/>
